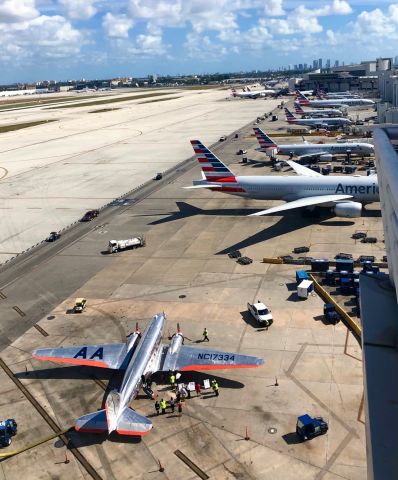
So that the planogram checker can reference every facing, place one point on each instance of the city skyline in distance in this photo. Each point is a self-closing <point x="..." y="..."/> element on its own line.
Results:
<point x="62" y="39"/>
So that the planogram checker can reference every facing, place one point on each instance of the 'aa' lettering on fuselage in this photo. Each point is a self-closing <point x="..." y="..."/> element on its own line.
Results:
<point x="99" y="353"/>
<point x="223" y="357"/>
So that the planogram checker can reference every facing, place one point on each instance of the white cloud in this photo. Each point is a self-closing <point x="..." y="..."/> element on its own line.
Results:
<point x="79" y="9"/>
<point x="117" y="26"/>
<point x="43" y="36"/>
<point x="274" y="8"/>
<point x="17" y="10"/>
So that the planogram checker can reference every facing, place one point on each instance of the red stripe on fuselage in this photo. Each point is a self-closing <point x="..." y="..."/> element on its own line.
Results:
<point x="223" y="179"/>
<point x="74" y="361"/>
<point x="227" y="189"/>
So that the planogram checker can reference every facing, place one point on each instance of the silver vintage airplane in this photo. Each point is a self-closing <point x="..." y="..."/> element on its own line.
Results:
<point x="345" y="194"/>
<point x="141" y="356"/>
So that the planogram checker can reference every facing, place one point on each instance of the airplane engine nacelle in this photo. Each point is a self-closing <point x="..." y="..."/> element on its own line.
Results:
<point x="348" y="209"/>
<point x="326" y="157"/>
<point x="176" y="343"/>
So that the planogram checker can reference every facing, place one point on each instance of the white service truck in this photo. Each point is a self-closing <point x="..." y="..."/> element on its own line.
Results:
<point x="261" y="313"/>
<point x="118" y="245"/>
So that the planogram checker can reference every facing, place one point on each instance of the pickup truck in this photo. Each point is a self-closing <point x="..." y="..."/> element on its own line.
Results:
<point x="261" y="313"/>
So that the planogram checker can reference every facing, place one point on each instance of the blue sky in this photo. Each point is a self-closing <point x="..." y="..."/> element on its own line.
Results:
<point x="72" y="39"/>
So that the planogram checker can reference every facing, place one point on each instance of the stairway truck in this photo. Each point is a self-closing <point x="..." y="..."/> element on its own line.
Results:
<point x="119" y="245"/>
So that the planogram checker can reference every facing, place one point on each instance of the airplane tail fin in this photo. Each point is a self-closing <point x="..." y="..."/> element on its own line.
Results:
<point x="128" y="422"/>
<point x="92" y="422"/>
<point x="234" y="93"/>
<point x="132" y="423"/>
<point x="289" y="115"/>
<point x="112" y="407"/>
<point x="212" y="168"/>
<point x="303" y="100"/>
<point x="298" y="108"/>
<point x="264" y="140"/>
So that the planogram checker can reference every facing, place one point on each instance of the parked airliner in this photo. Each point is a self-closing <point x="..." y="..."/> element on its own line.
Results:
<point x="307" y="151"/>
<point x="345" y="194"/>
<point x="348" y="102"/>
<point x="321" y="122"/>
<point x="251" y="93"/>
<point x="322" y="112"/>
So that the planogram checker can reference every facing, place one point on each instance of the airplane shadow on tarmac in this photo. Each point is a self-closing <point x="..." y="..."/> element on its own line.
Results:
<point x="290" y="221"/>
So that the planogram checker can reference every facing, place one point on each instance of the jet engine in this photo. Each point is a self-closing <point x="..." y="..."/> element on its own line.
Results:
<point x="348" y="209"/>
<point x="326" y="157"/>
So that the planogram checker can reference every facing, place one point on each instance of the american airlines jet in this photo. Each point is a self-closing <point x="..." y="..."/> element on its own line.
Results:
<point x="322" y="112"/>
<point x="348" y="102"/>
<point x="321" y="122"/>
<point x="251" y="94"/>
<point x="345" y="194"/>
<point x="307" y="151"/>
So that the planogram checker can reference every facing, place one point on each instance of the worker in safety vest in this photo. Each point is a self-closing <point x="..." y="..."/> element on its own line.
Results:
<point x="215" y="388"/>
<point x="163" y="406"/>
<point x="172" y="380"/>
<point x="205" y="335"/>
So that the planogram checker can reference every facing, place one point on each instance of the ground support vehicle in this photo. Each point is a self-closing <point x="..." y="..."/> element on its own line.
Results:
<point x="80" y="305"/>
<point x="8" y="428"/>
<point x="119" y="245"/>
<point x="261" y="313"/>
<point x="308" y="427"/>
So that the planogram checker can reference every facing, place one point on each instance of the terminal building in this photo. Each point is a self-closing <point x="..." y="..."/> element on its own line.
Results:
<point x="362" y="77"/>
<point x="379" y="307"/>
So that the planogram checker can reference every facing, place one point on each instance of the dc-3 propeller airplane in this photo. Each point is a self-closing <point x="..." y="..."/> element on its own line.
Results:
<point x="140" y="357"/>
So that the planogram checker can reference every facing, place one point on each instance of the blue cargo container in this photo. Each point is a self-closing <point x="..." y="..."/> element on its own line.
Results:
<point x="330" y="277"/>
<point x="301" y="275"/>
<point x="319" y="264"/>
<point x="346" y="265"/>
<point x="367" y="266"/>
<point x="345" y="286"/>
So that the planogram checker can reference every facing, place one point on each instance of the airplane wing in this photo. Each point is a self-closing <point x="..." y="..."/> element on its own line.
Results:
<point x="302" y="202"/>
<point x="103" y="356"/>
<point x="301" y="170"/>
<point x="201" y="186"/>
<point x="312" y="155"/>
<point x="191" y="358"/>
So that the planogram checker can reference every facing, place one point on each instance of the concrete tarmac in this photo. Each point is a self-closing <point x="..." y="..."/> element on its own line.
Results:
<point x="184" y="271"/>
<point x="51" y="174"/>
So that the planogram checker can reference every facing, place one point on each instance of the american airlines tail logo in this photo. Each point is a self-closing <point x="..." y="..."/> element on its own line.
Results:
<point x="263" y="139"/>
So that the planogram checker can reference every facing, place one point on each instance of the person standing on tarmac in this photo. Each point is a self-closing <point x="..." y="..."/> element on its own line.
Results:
<point x="197" y="388"/>
<point x="172" y="380"/>
<point x="214" y="385"/>
<point x="163" y="406"/>
<point x="205" y="335"/>
<point x="172" y="404"/>
<point x="157" y="407"/>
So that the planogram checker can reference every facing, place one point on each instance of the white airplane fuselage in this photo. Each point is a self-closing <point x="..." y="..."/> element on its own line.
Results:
<point x="329" y="121"/>
<point x="364" y="189"/>
<point x="332" y="148"/>
<point x="343" y="102"/>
